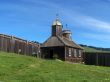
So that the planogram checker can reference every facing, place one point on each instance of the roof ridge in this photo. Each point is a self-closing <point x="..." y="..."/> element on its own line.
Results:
<point x="77" y="45"/>
<point x="72" y="42"/>
<point x="61" y="40"/>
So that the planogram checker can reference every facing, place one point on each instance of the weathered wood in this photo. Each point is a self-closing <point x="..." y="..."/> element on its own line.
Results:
<point x="62" y="52"/>
<point x="100" y="59"/>
<point x="17" y="45"/>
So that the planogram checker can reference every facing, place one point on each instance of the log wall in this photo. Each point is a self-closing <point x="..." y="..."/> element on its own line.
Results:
<point x="99" y="59"/>
<point x="20" y="46"/>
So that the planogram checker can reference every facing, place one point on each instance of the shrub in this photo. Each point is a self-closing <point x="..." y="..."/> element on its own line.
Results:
<point x="55" y="56"/>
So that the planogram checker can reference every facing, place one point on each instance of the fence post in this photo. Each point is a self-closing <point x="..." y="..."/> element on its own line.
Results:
<point x="97" y="63"/>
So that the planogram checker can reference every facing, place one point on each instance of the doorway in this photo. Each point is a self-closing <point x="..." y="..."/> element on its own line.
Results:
<point x="51" y="54"/>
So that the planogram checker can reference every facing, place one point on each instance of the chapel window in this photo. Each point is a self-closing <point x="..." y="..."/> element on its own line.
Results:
<point x="69" y="52"/>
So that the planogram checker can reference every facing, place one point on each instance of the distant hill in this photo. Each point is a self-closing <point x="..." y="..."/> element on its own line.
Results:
<point x="21" y="68"/>
<point x="95" y="49"/>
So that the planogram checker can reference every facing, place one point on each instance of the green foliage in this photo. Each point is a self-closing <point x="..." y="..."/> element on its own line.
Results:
<point x="20" y="68"/>
<point x="89" y="49"/>
<point x="55" y="56"/>
<point x="95" y="49"/>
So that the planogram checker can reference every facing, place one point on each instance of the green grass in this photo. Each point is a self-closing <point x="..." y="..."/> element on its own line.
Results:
<point x="88" y="49"/>
<point x="19" y="68"/>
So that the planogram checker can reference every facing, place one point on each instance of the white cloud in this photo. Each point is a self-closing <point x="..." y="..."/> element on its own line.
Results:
<point x="87" y="22"/>
<point x="95" y="23"/>
<point x="98" y="30"/>
<point x="98" y="37"/>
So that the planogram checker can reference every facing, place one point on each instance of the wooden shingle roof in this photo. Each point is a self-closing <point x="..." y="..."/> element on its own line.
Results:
<point x="54" y="41"/>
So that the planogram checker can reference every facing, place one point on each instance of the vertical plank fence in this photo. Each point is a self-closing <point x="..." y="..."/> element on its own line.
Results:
<point x="97" y="58"/>
<point x="20" y="46"/>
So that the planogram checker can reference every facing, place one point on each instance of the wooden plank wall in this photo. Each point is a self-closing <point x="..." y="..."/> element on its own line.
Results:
<point x="73" y="58"/>
<point x="20" y="46"/>
<point x="99" y="59"/>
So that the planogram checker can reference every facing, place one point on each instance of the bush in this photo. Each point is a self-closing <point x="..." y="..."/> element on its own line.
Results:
<point x="55" y="56"/>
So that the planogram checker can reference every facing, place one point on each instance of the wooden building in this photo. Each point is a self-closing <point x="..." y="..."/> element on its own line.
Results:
<point x="20" y="46"/>
<point x="60" y="45"/>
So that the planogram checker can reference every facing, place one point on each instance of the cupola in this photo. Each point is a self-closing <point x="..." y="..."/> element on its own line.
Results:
<point x="67" y="34"/>
<point x="56" y="27"/>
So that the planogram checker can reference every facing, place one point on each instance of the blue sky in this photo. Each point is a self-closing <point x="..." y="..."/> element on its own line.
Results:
<point x="89" y="20"/>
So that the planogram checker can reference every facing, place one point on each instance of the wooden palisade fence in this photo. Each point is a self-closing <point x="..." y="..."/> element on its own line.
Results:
<point x="17" y="45"/>
<point x="97" y="58"/>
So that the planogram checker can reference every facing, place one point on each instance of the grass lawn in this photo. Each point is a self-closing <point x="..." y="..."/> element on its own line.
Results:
<point x="88" y="49"/>
<point x="19" y="68"/>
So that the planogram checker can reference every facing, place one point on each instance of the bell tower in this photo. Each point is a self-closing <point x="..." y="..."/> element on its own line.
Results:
<point x="67" y="34"/>
<point x="56" y="27"/>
